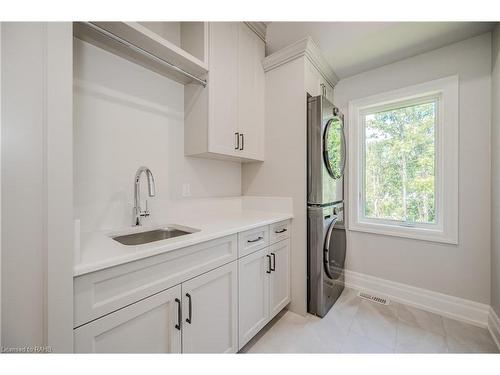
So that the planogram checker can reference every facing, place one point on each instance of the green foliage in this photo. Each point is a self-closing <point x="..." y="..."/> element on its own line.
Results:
<point x="399" y="164"/>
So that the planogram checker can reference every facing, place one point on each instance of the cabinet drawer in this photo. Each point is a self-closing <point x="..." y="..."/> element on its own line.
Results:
<point x="279" y="231"/>
<point x="99" y="293"/>
<point x="252" y="240"/>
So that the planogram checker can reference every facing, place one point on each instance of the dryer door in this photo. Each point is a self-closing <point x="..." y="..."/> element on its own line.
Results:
<point x="334" y="251"/>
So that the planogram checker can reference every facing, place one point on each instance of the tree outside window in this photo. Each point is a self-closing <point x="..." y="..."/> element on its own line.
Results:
<point x="399" y="163"/>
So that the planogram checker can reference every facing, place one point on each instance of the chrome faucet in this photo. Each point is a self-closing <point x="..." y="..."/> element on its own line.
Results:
<point x="138" y="214"/>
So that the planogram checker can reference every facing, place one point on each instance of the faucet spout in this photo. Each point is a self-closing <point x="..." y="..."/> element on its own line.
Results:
<point x="138" y="213"/>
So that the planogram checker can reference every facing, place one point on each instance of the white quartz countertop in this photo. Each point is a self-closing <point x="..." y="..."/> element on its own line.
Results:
<point x="98" y="250"/>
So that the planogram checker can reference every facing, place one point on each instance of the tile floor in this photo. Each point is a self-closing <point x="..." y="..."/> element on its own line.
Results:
<point x="355" y="325"/>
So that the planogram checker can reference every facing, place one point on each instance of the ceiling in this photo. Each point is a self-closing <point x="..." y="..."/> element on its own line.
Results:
<point x="355" y="47"/>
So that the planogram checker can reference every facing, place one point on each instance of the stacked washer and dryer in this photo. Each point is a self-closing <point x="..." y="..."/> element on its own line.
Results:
<point x="326" y="236"/>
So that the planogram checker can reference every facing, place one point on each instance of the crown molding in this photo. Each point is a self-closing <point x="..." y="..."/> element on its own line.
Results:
<point x="258" y="28"/>
<point x="304" y="47"/>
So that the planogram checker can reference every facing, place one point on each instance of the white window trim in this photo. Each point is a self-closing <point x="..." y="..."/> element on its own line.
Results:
<point x="447" y="130"/>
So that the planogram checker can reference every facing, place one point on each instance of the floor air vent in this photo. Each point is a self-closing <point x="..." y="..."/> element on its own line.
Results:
<point x="369" y="297"/>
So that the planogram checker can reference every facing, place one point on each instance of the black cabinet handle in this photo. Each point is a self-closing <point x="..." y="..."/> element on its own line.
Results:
<point x="237" y="140"/>
<point x="257" y="239"/>
<point x="188" y="319"/>
<point x="242" y="141"/>
<point x="273" y="268"/>
<point x="280" y="231"/>
<point x="179" y="313"/>
<point x="269" y="259"/>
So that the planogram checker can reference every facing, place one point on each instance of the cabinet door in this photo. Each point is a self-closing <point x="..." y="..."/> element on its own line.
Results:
<point x="147" y="326"/>
<point x="316" y="84"/>
<point x="251" y="92"/>
<point x="280" y="277"/>
<point x="210" y="309"/>
<point x="223" y="84"/>
<point x="254" y="276"/>
<point x="312" y="80"/>
<point x="329" y="91"/>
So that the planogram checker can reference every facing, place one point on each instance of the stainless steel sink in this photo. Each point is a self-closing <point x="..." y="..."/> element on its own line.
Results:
<point x="140" y="238"/>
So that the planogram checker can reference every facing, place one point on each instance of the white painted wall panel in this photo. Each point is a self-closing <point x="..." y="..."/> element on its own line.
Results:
<point x="37" y="173"/>
<point x="495" y="172"/>
<point x="283" y="173"/>
<point x="22" y="184"/>
<point x="59" y="180"/>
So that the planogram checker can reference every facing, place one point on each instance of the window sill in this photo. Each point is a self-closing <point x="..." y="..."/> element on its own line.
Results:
<point x="423" y="234"/>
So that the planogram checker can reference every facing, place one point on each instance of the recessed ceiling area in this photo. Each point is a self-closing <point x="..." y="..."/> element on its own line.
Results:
<point x="355" y="47"/>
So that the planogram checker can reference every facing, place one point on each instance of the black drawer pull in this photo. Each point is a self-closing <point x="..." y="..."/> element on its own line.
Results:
<point x="188" y="319"/>
<point x="179" y="313"/>
<point x="273" y="268"/>
<point x="269" y="263"/>
<point x="257" y="239"/>
<point x="280" y="231"/>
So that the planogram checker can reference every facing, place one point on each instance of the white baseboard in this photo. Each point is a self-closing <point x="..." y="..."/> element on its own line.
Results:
<point x="494" y="326"/>
<point x="439" y="303"/>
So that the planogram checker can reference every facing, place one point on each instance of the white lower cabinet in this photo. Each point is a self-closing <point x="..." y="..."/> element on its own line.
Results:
<point x="210" y="312"/>
<point x="279" y="291"/>
<point x="203" y="311"/>
<point x="264" y="288"/>
<point x="147" y="326"/>
<point x="200" y="299"/>
<point x="253" y="294"/>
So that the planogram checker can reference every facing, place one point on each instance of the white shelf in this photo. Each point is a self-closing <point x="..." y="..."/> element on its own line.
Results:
<point x="147" y="40"/>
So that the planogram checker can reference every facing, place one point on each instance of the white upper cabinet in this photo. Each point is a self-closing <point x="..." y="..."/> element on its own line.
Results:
<point x="316" y="84"/>
<point x="223" y="88"/>
<point x="226" y="119"/>
<point x="251" y="93"/>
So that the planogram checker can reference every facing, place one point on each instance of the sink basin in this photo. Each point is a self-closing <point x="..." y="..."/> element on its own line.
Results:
<point x="140" y="238"/>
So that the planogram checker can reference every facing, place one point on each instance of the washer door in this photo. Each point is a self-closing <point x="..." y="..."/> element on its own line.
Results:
<point x="334" y="251"/>
<point x="334" y="145"/>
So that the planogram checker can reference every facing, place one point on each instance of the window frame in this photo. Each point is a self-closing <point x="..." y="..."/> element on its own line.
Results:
<point x="445" y="92"/>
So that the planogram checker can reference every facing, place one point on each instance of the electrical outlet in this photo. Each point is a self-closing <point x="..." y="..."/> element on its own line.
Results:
<point x="186" y="190"/>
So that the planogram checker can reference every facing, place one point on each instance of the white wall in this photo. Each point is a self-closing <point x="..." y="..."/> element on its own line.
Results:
<point x="37" y="210"/>
<point x="495" y="172"/>
<point x="463" y="270"/>
<point x="0" y="184"/>
<point x="127" y="116"/>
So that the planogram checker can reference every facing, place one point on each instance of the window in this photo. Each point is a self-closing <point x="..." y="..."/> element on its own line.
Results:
<point x="399" y="163"/>
<point x="404" y="162"/>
